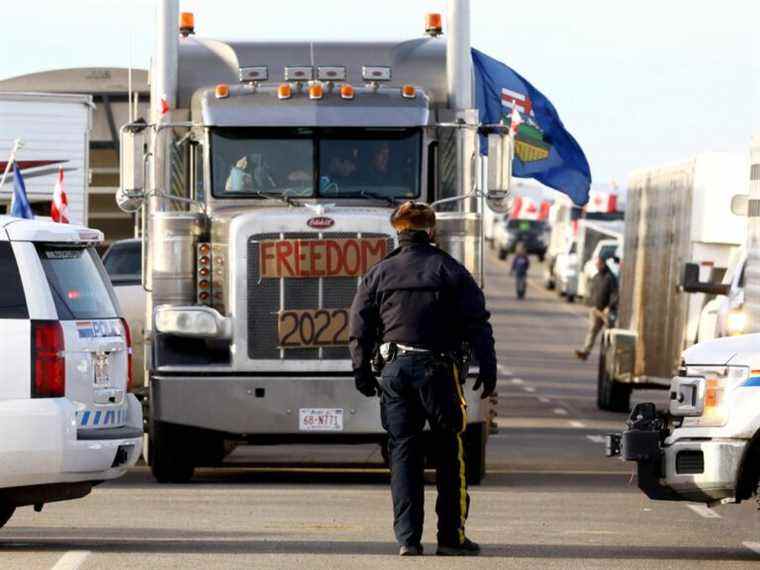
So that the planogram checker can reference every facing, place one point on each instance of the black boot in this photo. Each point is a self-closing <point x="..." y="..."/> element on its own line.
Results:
<point x="467" y="548"/>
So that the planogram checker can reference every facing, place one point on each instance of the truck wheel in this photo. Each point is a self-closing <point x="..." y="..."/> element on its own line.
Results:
<point x="6" y="512"/>
<point x="611" y="396"/>
<point x="570" y="298"/>
<point x="169" y="450"/>
<point x="502" y="254"/>
<point x="475" y="438"/>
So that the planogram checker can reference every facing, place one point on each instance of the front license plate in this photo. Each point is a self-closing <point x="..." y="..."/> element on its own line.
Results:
<point x="320" y="419"/>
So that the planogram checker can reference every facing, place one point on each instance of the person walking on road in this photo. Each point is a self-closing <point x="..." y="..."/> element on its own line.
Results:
<point x="603" y="297"/>
<point x="520" y="266"/>
<point x="419" y="305"/>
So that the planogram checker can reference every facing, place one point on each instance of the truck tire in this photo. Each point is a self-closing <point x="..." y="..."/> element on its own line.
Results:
<point x="502" y="254"/>
<point x="569" y="298"/>
<point x="611" y="396"/>
<point x="170" y="454"/>
<point x="475" y="438"/>
<point x="6" y="512"/>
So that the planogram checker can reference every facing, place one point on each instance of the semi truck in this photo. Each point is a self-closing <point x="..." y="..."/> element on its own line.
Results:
<point x="675" y="214"/>
<point x="265" y="179"/>
<point x="706" y="446"/>
<point x="47" y="131"/>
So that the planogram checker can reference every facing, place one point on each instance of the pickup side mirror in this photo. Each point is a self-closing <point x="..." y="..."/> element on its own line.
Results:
<point x="131" y="193"/>
<point x="690" y="282"/>
<point x="499" y="174"/>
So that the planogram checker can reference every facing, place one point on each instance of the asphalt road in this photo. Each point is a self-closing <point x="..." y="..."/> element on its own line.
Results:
<point x="551" y="499"/>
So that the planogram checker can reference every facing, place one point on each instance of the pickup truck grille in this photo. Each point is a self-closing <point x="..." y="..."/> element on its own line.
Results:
<point x="690" y="462"/>
<point x="267" y="296"/>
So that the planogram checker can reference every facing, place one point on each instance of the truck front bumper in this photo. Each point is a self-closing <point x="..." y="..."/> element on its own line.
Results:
<point x="259" y="405"/>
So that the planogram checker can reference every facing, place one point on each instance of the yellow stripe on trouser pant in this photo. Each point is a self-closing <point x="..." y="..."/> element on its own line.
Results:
<point x="460" y="456"/>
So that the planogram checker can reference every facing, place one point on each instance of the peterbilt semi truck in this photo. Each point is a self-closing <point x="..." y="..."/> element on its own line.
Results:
<point x="706" y="446"/>
<point x="265" y="179"/>
<point x="675" y="214"/>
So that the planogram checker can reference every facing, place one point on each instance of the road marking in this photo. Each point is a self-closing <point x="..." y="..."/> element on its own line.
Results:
<point x="597" y="438"/>
<point x="543" y="400"/>
<point x="704" y="511"/>
<point x="72" y="560"/>
<point x="560" y="411"/>
<point x="753" y="546"/>
<point x="504" y="370"/>
<point x="518" y="381"/>
<point x="529" y="389"/>
<point x="577" y="424"/>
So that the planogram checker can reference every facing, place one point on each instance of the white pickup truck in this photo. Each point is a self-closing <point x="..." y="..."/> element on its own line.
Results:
<point x="67" y="421"/>
<point x="706" y="448"/>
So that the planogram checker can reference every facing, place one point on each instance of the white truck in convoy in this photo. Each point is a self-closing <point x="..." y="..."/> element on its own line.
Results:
<point x="706" y="448"/>
<point x="67" y="421"/>
<point x="596" y="239"/>
<point x="53" y="132"/>
<point x="272" y="170"/>
<point x="675" y="215"/>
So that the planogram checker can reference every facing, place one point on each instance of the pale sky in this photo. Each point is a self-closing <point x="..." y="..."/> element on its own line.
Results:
<point x="637" y="83"/>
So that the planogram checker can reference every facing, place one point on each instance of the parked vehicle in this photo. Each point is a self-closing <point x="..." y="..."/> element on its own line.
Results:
<point x="123" y="263"/>
<point x="594" y="239"/>
<point x="674" y="214"/>
<point x="566" y="268"/>
<point x="531" y="233"/>
<point x="67" y="420"/>
<point x="250" y="265"/>
<point x="47" y="145"/>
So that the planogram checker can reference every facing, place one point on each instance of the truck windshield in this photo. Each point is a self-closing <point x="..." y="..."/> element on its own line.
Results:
<point x="307" y="163"/>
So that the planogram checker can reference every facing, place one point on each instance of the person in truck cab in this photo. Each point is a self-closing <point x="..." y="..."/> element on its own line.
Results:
<point x="601" y="300"/>
<point x="420" y="305"/>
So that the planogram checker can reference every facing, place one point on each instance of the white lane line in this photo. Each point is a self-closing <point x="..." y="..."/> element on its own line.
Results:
<point x="560" y="411"/>
<point x="518" y="381"/>
<point x="753" y="546"/>
<point x="72" y="560"/>
<point x="577" y="424"/>
<point x="596" y="438"/>
<point x="503" y="370"/>
<point x="529" y="389"/>
<point x="543" y="400"/>
<point x="704" y="511"/>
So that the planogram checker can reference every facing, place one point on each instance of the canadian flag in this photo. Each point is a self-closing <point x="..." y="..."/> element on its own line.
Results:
<point x="602" y="202"/>
<point x="59" y="208"/>
<point x="515" y="120"/>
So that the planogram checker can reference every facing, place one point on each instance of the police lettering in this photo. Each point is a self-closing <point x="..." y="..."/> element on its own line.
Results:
<point x="304" y="258"/>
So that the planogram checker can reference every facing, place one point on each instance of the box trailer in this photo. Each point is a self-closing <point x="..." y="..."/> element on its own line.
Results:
<point x="53" y="130"/>
<point x="675" y="214"/>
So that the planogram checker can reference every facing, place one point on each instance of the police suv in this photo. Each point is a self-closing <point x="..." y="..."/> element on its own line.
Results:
<point x="67" y="421"/>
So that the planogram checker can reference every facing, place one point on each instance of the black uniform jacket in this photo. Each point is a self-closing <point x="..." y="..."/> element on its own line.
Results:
<point x="422" y="297"/>
<point x="603" y="290"/>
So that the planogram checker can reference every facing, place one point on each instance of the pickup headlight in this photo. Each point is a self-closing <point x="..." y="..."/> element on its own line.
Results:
<point x="736" y="322"/>
<point x="716" y="384"/>
<point x="193" y="321"/>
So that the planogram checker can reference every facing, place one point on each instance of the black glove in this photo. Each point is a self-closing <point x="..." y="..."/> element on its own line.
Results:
<point x="489" y="385"/>
<point x="366" y="383"/>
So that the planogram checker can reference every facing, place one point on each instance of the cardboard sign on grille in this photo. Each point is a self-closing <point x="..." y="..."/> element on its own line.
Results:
<point x="309" y="258"/>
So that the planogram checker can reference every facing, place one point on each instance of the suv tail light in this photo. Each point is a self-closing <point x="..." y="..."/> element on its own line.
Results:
<point x="128" y="339"/>
<point x="48" y="361"/>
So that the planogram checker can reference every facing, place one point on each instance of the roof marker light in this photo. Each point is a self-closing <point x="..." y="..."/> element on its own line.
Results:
<point x="331" y="73"/>
<point x="376" y="73"/>
<point x="408" y="92"/>
<point x="284" y="91"/>
<point x="186" y="24"/>
<point x="298" y="73"/>
<point x="316" y="91"/>
<point x="433" y="25"/>
<point x="222" y="91"/>
<point x="255" y="73"/>
<point x="347" y="91"/>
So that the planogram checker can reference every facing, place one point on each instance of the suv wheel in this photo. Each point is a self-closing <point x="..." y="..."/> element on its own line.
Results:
<point x="169" y="450"/>
<point x="6" y="512"/>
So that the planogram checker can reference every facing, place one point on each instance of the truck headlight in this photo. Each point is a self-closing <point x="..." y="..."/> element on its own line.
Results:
<point x="193" y="321"/>
<point x="717" y="384"/>
<point x="736" y="322"/>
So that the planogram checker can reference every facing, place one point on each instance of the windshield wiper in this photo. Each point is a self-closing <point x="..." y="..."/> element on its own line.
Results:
<point x="366" y="194"/>
<point x="277" y="195"/>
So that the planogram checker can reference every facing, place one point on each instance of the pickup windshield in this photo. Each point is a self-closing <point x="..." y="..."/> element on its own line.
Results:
<point x="309" y="163"/>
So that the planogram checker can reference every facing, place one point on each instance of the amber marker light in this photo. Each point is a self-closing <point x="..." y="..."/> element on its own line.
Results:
<point x="408" y="92"/>
<point x="186" y="24"/>
<point x="316" y="91"/>
<point x="284" y="91"/>
<point x="222" y="91"/>
<point x="433" y="24"/>
<point x="347" y="92"/>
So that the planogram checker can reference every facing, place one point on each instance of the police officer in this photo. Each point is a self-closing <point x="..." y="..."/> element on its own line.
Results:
<point x="420" y="305"/>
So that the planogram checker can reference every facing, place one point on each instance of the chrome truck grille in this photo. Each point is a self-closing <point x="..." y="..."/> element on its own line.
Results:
<point x="268" y="296"/>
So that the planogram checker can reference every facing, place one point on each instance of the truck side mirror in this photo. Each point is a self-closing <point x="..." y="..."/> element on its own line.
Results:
<point x="499" y="174"/>
<point x="690" y="282"/>
<point x="131" y="193"/>
<point x="740" y="205"/>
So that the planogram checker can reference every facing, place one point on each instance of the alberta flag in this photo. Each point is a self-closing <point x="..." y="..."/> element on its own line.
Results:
<point x="20" y="207"/>
<point x="544" y="150"/>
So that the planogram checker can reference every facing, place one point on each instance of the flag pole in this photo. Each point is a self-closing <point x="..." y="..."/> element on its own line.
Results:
<point x="17" y="144"/>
